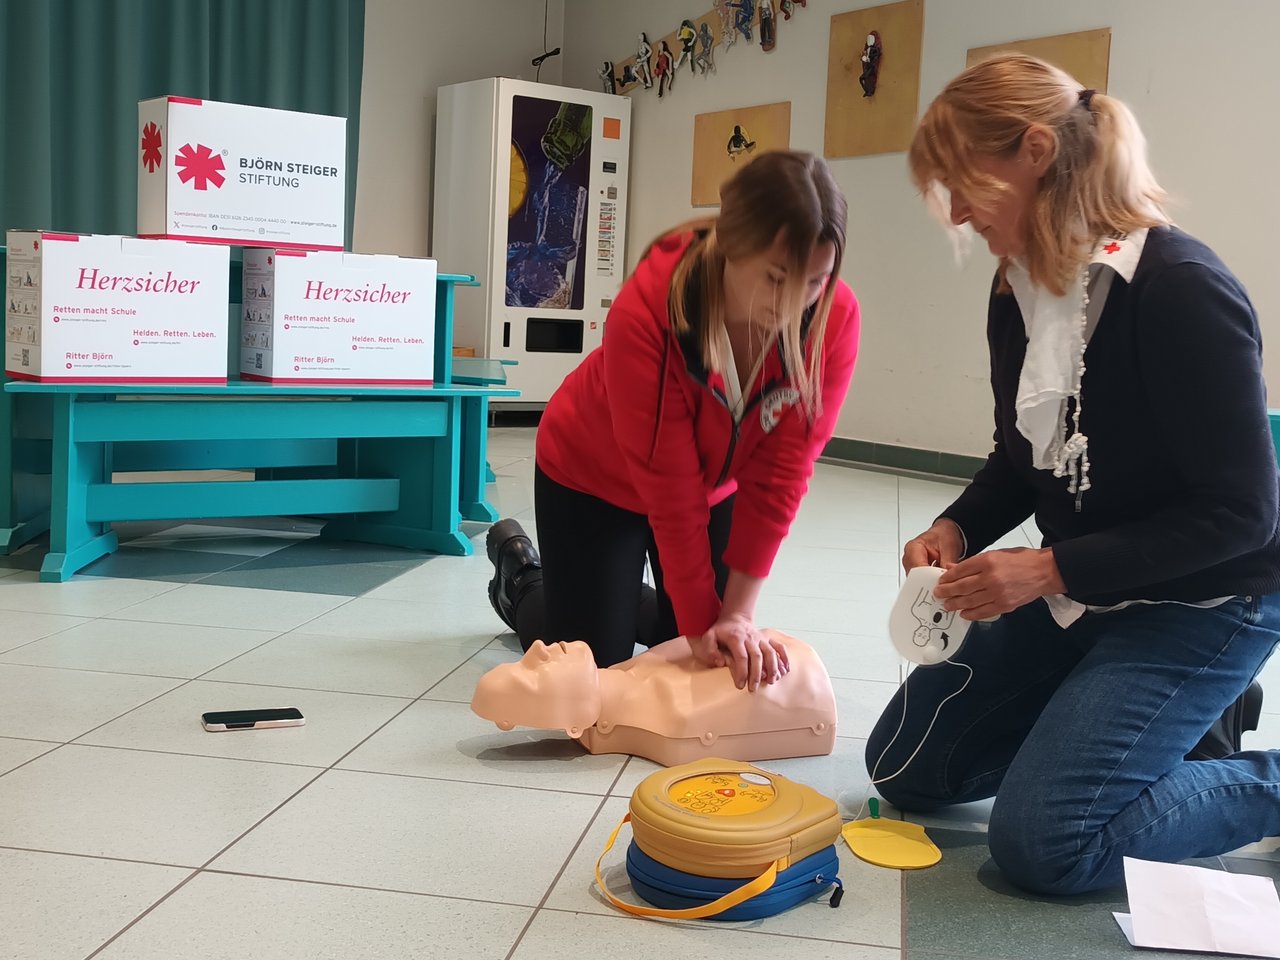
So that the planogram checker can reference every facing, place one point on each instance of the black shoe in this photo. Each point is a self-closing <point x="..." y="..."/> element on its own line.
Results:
<point x="1223" y="738"/>
<point x="516" y="567"/>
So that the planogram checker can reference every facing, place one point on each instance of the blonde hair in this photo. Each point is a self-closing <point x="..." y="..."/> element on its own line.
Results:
<point x="779" y="192"/>
<point x="1098" y="183"/>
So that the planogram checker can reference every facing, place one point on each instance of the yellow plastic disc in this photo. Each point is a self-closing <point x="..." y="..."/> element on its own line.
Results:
<point x="891" y="843"/>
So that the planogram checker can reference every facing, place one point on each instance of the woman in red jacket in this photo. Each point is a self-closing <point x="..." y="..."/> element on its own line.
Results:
<point x="689" y="436"/>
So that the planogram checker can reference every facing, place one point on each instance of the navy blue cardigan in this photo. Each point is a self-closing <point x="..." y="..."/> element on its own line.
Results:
<point x="1185" y="487"/>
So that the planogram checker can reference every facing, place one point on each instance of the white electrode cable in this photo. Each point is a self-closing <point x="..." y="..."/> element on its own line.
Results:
<point x="901" y="725"/>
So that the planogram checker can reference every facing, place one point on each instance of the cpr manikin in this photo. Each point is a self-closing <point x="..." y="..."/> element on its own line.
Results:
<point x="664" y="705"/>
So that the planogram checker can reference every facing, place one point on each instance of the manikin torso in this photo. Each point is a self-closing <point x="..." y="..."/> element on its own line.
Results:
<point x="663" y="704"/>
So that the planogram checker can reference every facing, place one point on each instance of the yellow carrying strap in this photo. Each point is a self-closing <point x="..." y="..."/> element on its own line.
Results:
<point x="757" y="886"/>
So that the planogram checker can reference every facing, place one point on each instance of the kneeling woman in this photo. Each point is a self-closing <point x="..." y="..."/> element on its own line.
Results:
<point x="690" y="435"/>
<point x="1148" y="462"/>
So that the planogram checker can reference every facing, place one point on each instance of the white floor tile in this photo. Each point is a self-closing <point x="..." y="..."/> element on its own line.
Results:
<point x="1267" y="736"/>
<point x="58" y="907"/>
<point x="242" y="608"/>
<point x="965" y="816"/>
<point x="860" y="485"/>
<point x="460" y="685"/>
<point x="138" y="806"/>
<point x="800" y="615"/>
<point x="857" y="658"/>
<point x="459" y="622"/>
<point x="238" y="541"/>
<point x="230" y="916"/>
<point x="881" y="538"/>
<point x="873" y="896"/>
<point x="347" y="664"/>
<point x="335" y="722"/>
<point x="14" y="753"/>
<point x="44" y="703"/>
<point x="20" y="628"/>
<point x="510" y="495"/>
<point x="141" y="647"/>
<point x="447" y="740"/>
<point x="460" y="578"/>
<point x="1268" y="849"/>
<point x="859" y="704"/>
<point x="82" y="597"/>
<point x="554" y="935"/>
<point x="830" y="575"/>
<point x="833" y="561"/>
<point x="424" y="836"/>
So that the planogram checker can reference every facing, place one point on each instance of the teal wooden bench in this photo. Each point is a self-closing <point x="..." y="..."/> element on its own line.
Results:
<point x="394" y="465"/>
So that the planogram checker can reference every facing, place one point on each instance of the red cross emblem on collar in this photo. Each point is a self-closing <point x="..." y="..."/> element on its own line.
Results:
<point x="1111" y="247"/>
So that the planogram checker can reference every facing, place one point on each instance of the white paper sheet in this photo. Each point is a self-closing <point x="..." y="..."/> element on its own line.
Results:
<point x="1175" y="907"/>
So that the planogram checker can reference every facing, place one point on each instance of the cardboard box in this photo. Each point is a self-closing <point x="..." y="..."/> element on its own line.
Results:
<point x="337" y="318"/>
<point x="87" y="309"/>
<point x="227" y="173"/>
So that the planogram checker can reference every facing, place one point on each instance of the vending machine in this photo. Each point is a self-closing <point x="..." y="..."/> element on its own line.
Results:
<point x="531" y="196"/>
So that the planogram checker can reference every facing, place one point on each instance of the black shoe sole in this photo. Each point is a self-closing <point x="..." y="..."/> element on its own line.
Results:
<point x="497" y="607"/>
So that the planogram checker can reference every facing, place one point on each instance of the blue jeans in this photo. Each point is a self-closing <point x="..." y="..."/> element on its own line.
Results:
<point x="1080" y="735"/>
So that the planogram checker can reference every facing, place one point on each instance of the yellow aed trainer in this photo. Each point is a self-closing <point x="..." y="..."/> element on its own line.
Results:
<point x="727" y="840"/>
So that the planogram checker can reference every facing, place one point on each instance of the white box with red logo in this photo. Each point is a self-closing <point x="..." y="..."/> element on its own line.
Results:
<point x="250" y="176"/>
<point x="337" y="318"/>
<point x="82" y="309"/>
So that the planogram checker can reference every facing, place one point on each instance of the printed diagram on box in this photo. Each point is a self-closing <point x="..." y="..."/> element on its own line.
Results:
<point x="22" y="313"/>
<point x="255" y="321"/>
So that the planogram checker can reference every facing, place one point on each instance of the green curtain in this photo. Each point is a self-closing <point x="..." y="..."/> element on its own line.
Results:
<point x="73" y="71"/>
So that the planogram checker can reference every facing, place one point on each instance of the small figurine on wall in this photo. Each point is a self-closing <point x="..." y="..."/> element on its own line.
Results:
<point x="629" y="75"/>
<point x="725" y="9"/>
<point x="787" y="7"/>
<point x="739" y="143"/>
<point x="707" y="44"/>
<point x="746" y="13"/>
<point x="870" y="64"/>
<point x="768" y="35"/>
<point x="644" y="53"/>
<point x="688" y="37"/>
<point x="664" y="68"/>
<point x="607" y="79"/>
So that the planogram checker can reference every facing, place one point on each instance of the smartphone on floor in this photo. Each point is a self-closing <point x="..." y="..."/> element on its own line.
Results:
<point x="223" y="720"/>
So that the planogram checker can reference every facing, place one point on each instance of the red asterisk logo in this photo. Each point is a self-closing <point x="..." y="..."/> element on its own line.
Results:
<point x="151" y="147"/>
<point x="1111" y="247"/>
<point x="201" y="165"/>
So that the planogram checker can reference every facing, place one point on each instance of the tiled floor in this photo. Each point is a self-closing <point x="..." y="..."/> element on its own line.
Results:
<point x="396" y="824"/>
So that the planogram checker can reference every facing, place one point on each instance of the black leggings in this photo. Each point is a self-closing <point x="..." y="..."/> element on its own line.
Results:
<point x="593" y="574"/>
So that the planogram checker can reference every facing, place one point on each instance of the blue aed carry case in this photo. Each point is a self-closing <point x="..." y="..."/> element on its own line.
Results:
<point x="724" y="840"/>
<point x="672" y="889"/>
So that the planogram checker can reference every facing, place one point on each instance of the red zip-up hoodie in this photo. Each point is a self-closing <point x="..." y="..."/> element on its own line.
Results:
<point x="643" y="425"/>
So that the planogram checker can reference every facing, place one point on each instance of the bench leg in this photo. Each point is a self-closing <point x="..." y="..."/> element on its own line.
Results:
<point x="25" y="428"/>
<point x="427" y="468"/>
<point x="475" y="472"/>
<point x="74" y="542"/>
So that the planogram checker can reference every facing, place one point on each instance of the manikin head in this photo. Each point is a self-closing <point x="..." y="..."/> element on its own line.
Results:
<point x="555" y="687"/>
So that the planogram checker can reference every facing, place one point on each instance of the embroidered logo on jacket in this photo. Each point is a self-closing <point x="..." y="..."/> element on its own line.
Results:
<point x="775" y="404"/>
